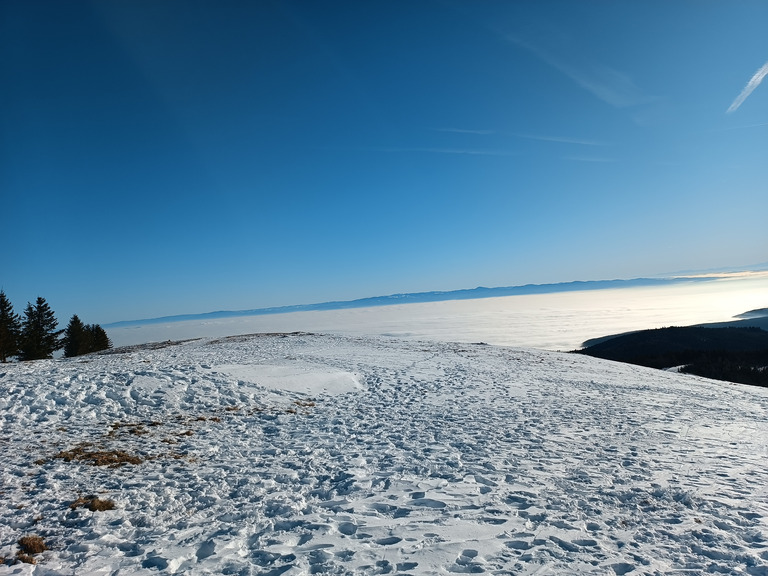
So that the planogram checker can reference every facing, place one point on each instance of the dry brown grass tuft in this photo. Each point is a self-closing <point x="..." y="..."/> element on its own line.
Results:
<point x="93" y="504"/>
<point x="32" y="545"/>
<point x="304" y="403"/>
<point x="111" y="458"/>
<point x="232" y="408"/>
<point x="132" y="428"/>
<point x="26" y="558"/>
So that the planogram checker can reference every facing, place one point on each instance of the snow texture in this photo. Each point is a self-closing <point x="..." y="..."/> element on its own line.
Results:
<point x="311" y="454"/>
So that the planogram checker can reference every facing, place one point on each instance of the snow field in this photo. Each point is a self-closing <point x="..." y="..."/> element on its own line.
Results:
<point x="310" y="454"/>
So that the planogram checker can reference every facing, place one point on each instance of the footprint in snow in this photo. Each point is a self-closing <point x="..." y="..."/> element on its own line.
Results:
<point x="429" y="503"/>
<point x="347" y="528"/>
<point x="206" y="550"/>
<point x="466" y="563"/>
<point x="389" y="541"/>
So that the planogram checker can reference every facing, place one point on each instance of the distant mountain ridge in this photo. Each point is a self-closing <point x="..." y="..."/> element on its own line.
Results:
<point x="420" y="297"/>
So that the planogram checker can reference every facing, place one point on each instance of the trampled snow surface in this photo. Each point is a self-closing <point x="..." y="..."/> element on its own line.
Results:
<point x="310" y="454"/>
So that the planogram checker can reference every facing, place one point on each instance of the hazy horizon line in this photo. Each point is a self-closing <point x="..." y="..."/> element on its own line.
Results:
<point x="479" y="292"/>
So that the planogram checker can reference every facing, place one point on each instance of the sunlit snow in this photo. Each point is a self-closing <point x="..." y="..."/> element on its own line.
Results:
<point x="315" y="454"/>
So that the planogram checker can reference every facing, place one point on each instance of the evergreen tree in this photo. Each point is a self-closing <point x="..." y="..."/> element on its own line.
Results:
<point x="98" y="338"/>
<point x="74" y="338"/>
<point x="10" y="329"/>
<point x="39" y="337"/>
<point x="82" y="338"/>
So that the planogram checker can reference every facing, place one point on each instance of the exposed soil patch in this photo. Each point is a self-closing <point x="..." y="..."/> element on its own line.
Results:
<point x="110" y="458"/>
<point x="93" y="504"/>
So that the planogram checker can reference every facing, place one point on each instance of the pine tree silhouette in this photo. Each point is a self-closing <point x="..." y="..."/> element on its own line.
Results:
<point x="98" y="338"/>
<point x="39" y="337"/>
<point x="10" y="329"/>
<point x="82" y="338"/>
<point x="74" y="338"/>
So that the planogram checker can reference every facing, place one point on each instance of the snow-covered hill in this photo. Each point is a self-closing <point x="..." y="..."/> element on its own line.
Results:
<point x="310" y="454"/>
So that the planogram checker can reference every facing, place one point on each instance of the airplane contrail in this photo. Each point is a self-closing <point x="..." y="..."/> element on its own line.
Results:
<point x="753" y="83"/>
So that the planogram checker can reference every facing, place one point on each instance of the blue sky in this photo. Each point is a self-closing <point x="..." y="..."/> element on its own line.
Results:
<point x="174" y="157"/>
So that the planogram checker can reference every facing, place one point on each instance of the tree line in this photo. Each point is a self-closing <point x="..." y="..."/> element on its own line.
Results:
<point x="735" y="354"/>
<point x="35" y="337"/>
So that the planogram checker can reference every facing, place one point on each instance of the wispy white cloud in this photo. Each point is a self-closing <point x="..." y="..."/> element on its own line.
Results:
<point x="564" y="140"/>
<point x="743" y="127"/>
<point x="465" y="151"/>
<point x="590" y="159"/>
<point x="753" y="83"/>
<point x="608" y="84"/>
<point x="465" y="131"/>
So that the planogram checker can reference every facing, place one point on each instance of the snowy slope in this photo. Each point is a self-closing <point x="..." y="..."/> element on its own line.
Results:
<point x="311" y="454"/>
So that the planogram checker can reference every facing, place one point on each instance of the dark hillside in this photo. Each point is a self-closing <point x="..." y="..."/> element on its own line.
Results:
<point x="733" y="354"/>
<point x="759" y="313"/>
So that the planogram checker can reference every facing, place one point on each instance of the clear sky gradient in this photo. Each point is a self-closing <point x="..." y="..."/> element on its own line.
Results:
<point x="172" y="157"/>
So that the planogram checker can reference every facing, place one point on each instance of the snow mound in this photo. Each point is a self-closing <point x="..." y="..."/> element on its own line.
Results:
<point x="311" y="454"/>
<point x="294" y="378"/>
